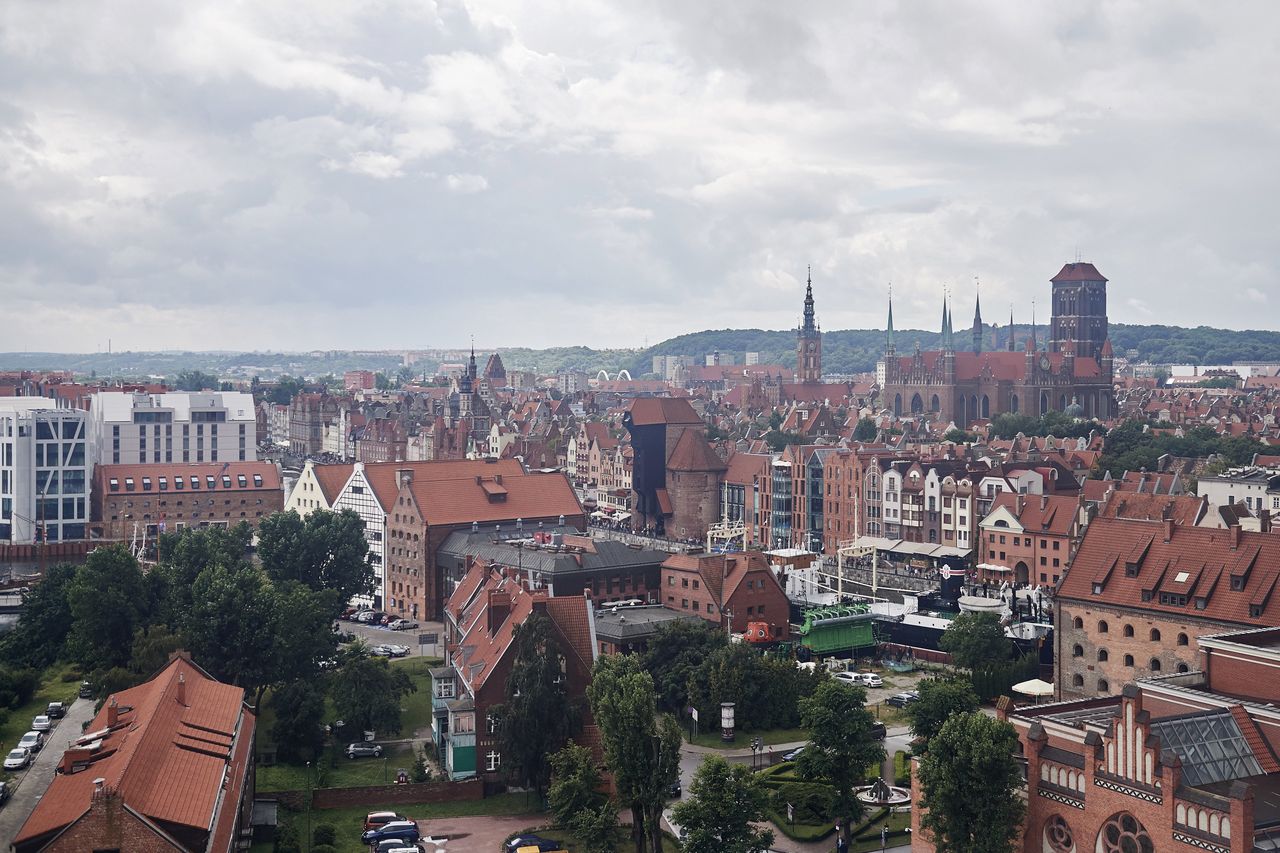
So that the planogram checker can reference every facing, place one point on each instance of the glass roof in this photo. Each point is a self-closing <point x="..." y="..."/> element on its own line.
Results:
<point x="1211" y="747"/>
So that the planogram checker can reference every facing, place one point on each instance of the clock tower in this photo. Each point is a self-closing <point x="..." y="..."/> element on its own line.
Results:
<point x="808" y="342"/>
<point x="1079" y="310"/>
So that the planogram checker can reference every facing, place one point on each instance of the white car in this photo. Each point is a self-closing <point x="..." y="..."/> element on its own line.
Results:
<point x="42" y="723"/>
<point x="32" y="741"/>
<point x="17" y="758"/>
<point x="870" y="679"/>
<point x="848" y="677"/>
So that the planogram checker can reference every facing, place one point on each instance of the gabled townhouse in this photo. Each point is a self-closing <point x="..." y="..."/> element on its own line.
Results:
<point x="728" y="590"/>
<point x="1029" y="539"/>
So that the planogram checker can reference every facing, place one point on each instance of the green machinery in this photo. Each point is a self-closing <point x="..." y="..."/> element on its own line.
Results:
<point x="845" y="628"/>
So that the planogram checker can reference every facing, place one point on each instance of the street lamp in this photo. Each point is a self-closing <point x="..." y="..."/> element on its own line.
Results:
<point x="757" y="746"/>
<point x="308" y="840"/>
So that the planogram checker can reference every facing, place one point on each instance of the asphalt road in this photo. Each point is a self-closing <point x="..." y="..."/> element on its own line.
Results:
<point x="34" y="781"/>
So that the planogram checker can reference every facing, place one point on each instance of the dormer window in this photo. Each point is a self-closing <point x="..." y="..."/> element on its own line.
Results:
<point x="146" y="484"/>
<point x="1097" y="589"/>
<point x="242" y="480"/>
<point x="177" y="482"/>
<point x="164" y="484"/>
<point x="128" y="484"/>
<point x="115" y="484"/>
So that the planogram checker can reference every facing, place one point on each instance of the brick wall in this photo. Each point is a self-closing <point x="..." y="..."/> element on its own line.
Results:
<point x="108" y="826"/>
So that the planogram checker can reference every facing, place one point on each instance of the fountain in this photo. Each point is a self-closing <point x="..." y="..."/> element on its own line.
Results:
<point x="881" y="793"/>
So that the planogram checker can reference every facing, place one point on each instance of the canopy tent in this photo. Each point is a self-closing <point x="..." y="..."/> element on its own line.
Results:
<point x="1035" y="688"/>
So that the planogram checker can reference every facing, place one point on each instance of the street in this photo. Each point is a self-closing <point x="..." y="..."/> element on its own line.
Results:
<point x="34" y="781"/>
<point x="376" y="635"/>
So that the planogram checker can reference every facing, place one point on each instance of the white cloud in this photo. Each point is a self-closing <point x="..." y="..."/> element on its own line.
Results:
<point x="466" y="184"/>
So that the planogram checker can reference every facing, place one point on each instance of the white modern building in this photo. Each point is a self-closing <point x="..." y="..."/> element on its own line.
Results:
<point x="44" y="471"/>
<point x="178" y="426"/>
<point x="1255" y="487"/>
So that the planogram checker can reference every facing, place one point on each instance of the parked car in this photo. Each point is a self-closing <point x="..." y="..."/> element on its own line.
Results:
<point x="41" y="723"/>
<point x="793" y="754"/>
<point x="902" y="700"/>
<point x="537" y="842"/>
<point x="373" y="820"/>
<point x="56" y="710"/>
<point x="878" y="731"/>
<point x="395" y="845"/>
<point x="86" y="690"/>
<point x="17" y="758"/>
<point x="369" y="617"/>
<point x="402" y="625"/>
<point x="870" y="679"/>
<point x="33" y="741"/>
<point x="406" y="830"/>
<point x="848" y="678"/>
<point x="397" y="651"/>
<point x="5" y="792"/>
<point x="675" y="791"/>
<point x="364" y="750"/>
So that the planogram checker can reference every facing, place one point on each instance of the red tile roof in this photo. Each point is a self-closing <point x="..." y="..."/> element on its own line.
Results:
<point x="1183" y="509"/>
<point x="1193" y="561"/>
<point x="478" y="496"/>
<point x="1079" y="271"/>
<point x="170" y="472"/>
<point x="166" y="757"/>
<point x="1006" y="366"/>
<point x="1048" y="514"/>
<point x="331" y="479"/>
<point x="692" y="453"/>
<point x="646" y="411"/>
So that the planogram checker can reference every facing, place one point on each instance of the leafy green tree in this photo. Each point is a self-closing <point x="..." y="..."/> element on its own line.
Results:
<point x="725" y="801"/>
<point x="675" y="653"/>
<point x="959" y="436"/>
<point x="285" y="389"/>
<point x="152" y="646"/>
<point x="302" y="630"/>
<point x="182" y="556"/>
<point x="107" y="600"/>
<point x="641" y="748"/>
<point x="382" y="382"/>
<point x="973" y="639"/>
<point x="940" y="700"/>
<point x="970" y="782"/>
<point x="231" y="625"/>
<point x="40" y="635"/>
<point x="536" y="716"/>
<point x="195" y="380"/>
<point x="577" y="803"/>
<point x="298" y="731"/>
<point x="865" y="430"/>
<point x="326" y="550"/>
<point x="841" y="747"/>
<point x="366" y="694"/>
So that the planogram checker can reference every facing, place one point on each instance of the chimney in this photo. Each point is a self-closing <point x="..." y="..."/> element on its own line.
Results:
<point x="1044" y="502"/>
<point x="404" y="476"/>
<point x="1264" y="520"/>
<point x="98" y="785"/>
<point x="498" y="610"/>
<point x="1018" y="503"/>
<point x="1168" y="529"/>
<point x="1234" y="530"/>
<point x="113" y="714"/>
<point x="182" y="689"/>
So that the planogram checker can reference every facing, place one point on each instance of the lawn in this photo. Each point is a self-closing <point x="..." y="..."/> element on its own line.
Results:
<point x="345" y="772"/>
<point x="871" y="834"/>
<point x="52" y="689"/>
<point x="889" y="715"/>
<point x="743" y="740"/>
<point x="350" y="821"/>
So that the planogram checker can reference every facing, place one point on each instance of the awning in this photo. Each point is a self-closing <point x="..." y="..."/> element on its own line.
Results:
<point x="988" y="567"/>
<point x="664" y="502"/>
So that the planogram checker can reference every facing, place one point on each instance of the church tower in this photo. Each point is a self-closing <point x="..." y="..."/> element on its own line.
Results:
<point x="1079" y="310"/>
<point x="977" y="323"/>
<point x="809" y="342"/>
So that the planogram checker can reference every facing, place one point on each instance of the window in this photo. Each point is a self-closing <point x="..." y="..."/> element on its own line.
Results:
<point x="1102" y="656"/>
<point x="1155" y="664"/>
<point x="1077" y="651"/>
<point x="1155" y="635"/>
<point x="1077" y="680"/>
<point x="1103" y="686"/>
<point x="1078" y="622"/>
<point x="492" y="722"/>
<point x="684" y="603"/>
<point x="1128" y="660"/>
<point x="1182" y="639"/>
<point x="1102" y="627"/>
<point x="671" y="580"/>
<point x="1128" y="630"/>
<point x="1182" y="667"/>
<point x="492" y="761"/>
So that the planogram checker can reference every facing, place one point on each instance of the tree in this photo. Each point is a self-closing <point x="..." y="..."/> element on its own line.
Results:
<point x="675" y="653"/>
<point x="231" y="625"/>
<point x="577" y="803"/>
<point x="940" y="699"/>
<point x="326" y="550"/>
<point x="195" y="380"/>
<point x="106" y="599"/>
<point x="973" y="639"/>
<point x="865" y="430"/>
<point x="725" y="801"/>
<point x="152" y="647"/>
<point x="641" y="749"/>
<point x="970" y="782"/>
<point x="298" y="731"/>
<point x="536" y="717"/>
<point x="285" y="389"/>
<point x="366" y="694"/>
<point x="842" y="745"/>
<point x="959" y="436"/>
<point x="182" y="556"/>
<point x="41" y="633"/>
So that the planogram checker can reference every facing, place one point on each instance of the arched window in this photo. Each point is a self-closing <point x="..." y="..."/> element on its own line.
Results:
<point x="1124" y="834"/>
<point x="986" y="406"/>
<point x="917" y="404"/>
<point x="1155" y="664"/>
<point x="1013" y="404"/>
<point x="1102" y="655"/>
<point x="1128" y="660"/>
<point x="1103" y="627"/>
<point x="1182" y="667"/>
<point x="1077" y="680"/>
<point x="1077" y="651"/>
<point x="1182" y="639"/>
<point x="897" y="404"/>
<point x="1103" y="686"/>
<point x="1128" y="630"/>
<point x="1078" y="623"/>
<point x="934" y="404"/>
<point x="1155" y="635"/>
<point x="1044" y="402"/>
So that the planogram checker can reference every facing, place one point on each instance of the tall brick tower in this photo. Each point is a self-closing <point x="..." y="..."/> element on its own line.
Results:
<point x="809" y="342"/>
<point x="1079" y="309"/>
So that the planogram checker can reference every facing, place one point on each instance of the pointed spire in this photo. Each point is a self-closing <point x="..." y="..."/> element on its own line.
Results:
<point x="1032" y="339"/>
<point x="809" y="325"/>
<point x="889" y="334"/>
<point x="947" y="343"/>
<point x="977" y="317"/>
<point x="1011" y="343"/>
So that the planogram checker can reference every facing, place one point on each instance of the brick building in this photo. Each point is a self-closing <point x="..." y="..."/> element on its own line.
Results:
<point x="728" y="590"/>
<point x="480" y="621"/>
<point x="130" y="500"/>
<point x="1140" y="591"/>
<point x="164" y="766"/>
<point x="1028" y="539"/>
<point x="676" y="475"/>
<point x="427" y="509"/>
<point x="1175" y="762"/>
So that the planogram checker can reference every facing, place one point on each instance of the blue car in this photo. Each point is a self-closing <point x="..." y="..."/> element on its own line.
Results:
<point x="405" y="830"/>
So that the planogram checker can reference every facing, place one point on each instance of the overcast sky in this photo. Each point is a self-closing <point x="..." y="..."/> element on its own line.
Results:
<point x="394" y="173"/>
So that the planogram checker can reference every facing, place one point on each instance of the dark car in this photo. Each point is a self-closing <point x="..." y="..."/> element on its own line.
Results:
<point x="902" y="700"/>
<point x="878" y="731"/>
<point x="674" y="792"/>
<point x="5" y="792"/>
<point x="86" y="690"/>
<point x="403" y="829"/>
<point x="56" y="710"/>
<point x="792" y="755"/>
<point x="364" y="750"/>
<point x="533" y="841"/>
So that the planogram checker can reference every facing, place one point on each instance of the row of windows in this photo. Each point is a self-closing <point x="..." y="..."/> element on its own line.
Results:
<point x="211" y="482"/>
<point x="1127" y="630"/>
<point x="1154" y="665"/>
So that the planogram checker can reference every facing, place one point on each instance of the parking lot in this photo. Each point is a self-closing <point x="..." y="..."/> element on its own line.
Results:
<point x="376" y="635"/>
<point x="32" y="782"/>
